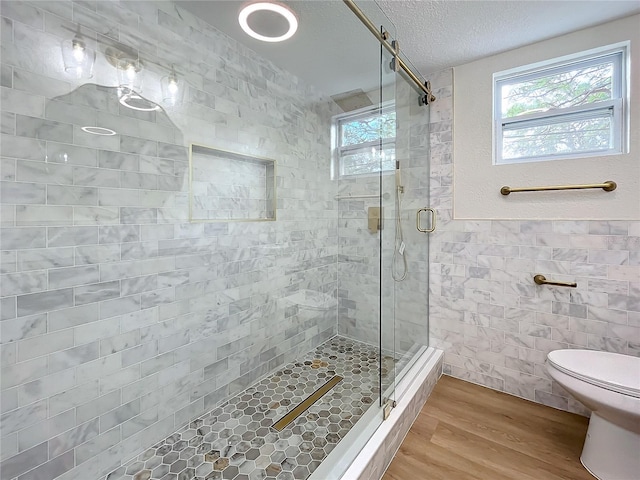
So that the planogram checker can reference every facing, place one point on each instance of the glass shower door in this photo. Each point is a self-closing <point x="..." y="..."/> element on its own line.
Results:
<point x="387" y="238"/>
<point x="410" y="260"/>
<point x="365" y="219"/>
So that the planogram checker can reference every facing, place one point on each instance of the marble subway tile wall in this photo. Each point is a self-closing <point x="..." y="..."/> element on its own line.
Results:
<point x="227" y="187"/>
<point x="495" y="325"/>
<point x="358" y="263"/>
<point x="404" y="303"/>
<point x="120" y="320"/>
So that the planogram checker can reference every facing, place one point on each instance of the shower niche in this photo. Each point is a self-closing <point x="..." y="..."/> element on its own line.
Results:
<point x="228" y="186"/>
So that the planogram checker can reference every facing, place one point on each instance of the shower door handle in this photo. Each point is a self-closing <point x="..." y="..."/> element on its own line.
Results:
<point x="433" y="220"/>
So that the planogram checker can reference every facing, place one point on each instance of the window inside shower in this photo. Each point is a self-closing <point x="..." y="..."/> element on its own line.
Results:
<point x="364" y="141"/>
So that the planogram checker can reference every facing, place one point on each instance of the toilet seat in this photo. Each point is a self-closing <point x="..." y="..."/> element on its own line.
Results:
<point x="612" y="371"/>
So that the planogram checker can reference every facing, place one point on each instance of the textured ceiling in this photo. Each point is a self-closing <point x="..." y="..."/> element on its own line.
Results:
<point x="436" y="34"/>
<point x="333" y="51"/>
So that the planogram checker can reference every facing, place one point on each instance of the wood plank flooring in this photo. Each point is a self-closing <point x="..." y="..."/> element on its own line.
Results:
<point x="468" y="432"/>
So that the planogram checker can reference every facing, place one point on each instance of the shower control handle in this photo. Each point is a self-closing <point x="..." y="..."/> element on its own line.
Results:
<point x="433" y="220"/>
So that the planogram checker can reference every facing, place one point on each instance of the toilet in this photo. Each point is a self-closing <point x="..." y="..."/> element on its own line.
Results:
<point x="609" y="385"/>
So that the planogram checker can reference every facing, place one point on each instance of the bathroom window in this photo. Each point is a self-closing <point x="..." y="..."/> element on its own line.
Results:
<point x="565" y="108"/>
<point x="364" y="141"/>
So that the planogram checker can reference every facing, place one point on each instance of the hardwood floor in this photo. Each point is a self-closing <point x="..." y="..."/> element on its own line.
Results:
<point x="468" y="432"/>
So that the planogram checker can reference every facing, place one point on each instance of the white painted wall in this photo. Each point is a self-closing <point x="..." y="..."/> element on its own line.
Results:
<point x="477" y="181"/>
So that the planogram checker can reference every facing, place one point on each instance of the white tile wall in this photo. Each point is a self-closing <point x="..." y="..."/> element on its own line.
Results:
<point x="495" y="325"/>
<point x="120" y="320"/>
<point x="227" y="186"/>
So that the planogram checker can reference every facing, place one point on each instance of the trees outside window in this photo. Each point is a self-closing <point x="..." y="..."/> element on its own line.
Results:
<point x="365" y="141"/>
<point x="561" y="110"/>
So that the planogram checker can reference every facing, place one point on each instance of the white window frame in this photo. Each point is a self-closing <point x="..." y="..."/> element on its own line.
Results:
<point x="339" y="150"/>
<point x="614" y="108"/>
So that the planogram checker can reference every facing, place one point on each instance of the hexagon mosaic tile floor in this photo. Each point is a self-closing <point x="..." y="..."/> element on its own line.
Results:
<point x="236" y="442"/>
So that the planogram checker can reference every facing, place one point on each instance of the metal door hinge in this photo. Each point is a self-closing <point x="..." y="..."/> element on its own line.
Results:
<point x="386" y="411"/>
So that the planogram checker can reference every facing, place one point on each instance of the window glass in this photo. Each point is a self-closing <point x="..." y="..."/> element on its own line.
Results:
<point x="368" y="162"/>
<point x="577" y="86"/>
<point x="368" y="128"/>
<point x="561" y="110"/>
<point x="361" y="136"/>
<point x="586" y="135"/>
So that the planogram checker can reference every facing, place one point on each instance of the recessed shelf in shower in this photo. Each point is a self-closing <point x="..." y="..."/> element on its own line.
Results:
<point x="230" y="186"/>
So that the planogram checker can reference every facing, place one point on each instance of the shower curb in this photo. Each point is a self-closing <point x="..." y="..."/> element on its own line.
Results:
<point x="413" y="391"/>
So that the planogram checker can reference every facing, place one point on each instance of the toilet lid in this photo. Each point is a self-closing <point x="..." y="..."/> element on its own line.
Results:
<point x="613" y="371"/>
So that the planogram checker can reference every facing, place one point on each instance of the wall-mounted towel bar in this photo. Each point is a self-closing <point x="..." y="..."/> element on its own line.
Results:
<point x="541" y="280"/>
<point x="607" y="186"/>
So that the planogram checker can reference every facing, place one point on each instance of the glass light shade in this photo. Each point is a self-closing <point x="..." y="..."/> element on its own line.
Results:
<point x="78" y="58"/>
<point x="172" y="89"/>
<point x="130" y="75"/>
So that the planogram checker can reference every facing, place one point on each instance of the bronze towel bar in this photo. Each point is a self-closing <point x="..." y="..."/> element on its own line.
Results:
<point x="607" y="186"/>
<point x="541" y="280"/>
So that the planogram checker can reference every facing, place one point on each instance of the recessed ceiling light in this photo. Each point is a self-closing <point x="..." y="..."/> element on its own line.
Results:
<point x="98" y="131"/>
<point x="268" y="7"/>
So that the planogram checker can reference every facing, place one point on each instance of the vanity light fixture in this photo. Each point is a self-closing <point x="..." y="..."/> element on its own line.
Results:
<point x="78" y="58"/>
<point x="130" y="74"/>
<point x="285" y="12"/>
<point x="172" y="89"/>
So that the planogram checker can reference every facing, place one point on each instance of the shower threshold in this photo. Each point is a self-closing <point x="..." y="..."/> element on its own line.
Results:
<point x="237" y="441"/>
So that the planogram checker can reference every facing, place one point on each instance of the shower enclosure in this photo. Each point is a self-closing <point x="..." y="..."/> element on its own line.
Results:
<point x="210" y="265"/>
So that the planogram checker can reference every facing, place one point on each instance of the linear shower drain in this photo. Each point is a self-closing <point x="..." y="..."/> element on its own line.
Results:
<point x="306" y="403"/>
